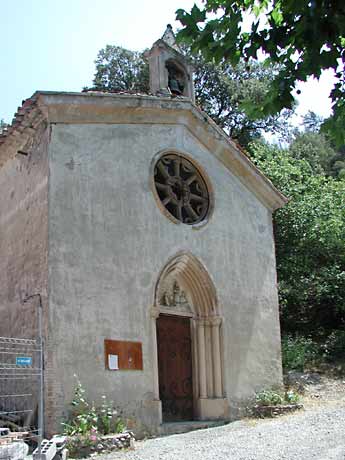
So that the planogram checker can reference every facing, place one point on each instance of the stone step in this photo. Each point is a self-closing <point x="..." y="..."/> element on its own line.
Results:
<point x="167" y="429"/>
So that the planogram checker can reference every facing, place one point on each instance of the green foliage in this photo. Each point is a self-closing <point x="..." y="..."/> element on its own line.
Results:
<point x="224" y="92"/>
<point x="83" y="417"/>
<point x="303" y="37"/>
<point x="299" y="352"/>
<point x="276" y="398"/>
<point x="336" y="165"/>
<point x="291" y="397"/>
<point x="310" y="242"/>
<point x="269" y="398"/>
<point x="315" y="146"/>
<point x="87" y="421"/>
<point x="119" y="69"/>
<point x="316" y="149"/>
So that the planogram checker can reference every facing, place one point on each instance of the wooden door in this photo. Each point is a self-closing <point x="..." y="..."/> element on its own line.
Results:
<point x="175" y="367"/>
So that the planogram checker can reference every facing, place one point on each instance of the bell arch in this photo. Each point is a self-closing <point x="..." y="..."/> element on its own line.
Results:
<point x="185" y="288"/>
<point x="177" y="77"/>
<point x="171" y="72"/>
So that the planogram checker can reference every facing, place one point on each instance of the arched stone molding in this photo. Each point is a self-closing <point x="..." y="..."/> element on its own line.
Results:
<point x="186" y="280"/>
<point x="195" y="281"/>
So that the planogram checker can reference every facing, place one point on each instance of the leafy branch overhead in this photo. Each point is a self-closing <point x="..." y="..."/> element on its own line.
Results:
<point x="303" y="37"/>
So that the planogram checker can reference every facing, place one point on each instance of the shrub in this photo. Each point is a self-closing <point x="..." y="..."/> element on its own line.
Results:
<point x="299" y="352"/>
<point x="269" y="398"/>
<point x="276" y="398"/>
<point x="87" y="423"/>
<point x="291" y="397"/>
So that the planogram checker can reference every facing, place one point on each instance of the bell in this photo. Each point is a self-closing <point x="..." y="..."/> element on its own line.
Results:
<point x="174" y="86"/>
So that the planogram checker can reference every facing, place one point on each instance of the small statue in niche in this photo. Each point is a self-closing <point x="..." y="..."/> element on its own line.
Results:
<point x="176" y="79"/>
<point x="166" y="299"/>
<point x="179" y="295"/>
<point x="174" y="297"/>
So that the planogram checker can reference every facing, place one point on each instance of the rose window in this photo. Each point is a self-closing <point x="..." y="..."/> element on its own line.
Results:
<point x="181" y="189"/>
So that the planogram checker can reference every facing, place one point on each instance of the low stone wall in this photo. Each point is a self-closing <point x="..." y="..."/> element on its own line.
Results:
<point x="80" y="448"/>
<point x="275" y="411"/>
<point x="118" y="441"/>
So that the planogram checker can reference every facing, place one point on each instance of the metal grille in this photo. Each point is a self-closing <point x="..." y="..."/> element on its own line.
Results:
<point x="21" y="390"/>
<point x="20" y="382"/>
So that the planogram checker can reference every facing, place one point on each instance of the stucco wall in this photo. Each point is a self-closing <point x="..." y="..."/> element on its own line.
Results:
<point x="108" y="241"/>
<point x="23" y="237"/>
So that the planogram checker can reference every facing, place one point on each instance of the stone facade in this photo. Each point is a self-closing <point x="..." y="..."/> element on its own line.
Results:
<point x="81" y="225"/>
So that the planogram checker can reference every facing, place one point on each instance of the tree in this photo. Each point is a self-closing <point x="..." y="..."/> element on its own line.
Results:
<point x="316" y="149"/>
<point x="310" y="242"/>
<point x="220" y="90"/>
<point x="303" y="37"/>
<point x="337" y="164"/>
<point x="119" y="69"/>
<point x="312" y="122"/>
<point x="315" y="146"/>
<point x="320" y="153"/>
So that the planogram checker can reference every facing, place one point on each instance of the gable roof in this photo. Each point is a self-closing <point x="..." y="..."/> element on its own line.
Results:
<point x="120" y="108"/>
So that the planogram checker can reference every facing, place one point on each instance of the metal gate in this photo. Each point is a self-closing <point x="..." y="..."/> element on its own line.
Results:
<point x="21" y="391"/>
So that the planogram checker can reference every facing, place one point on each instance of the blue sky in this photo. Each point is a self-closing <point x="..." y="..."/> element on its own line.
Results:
<point x="52" y="45"/>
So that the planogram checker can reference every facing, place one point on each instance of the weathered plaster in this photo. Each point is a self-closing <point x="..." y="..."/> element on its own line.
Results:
<point x="109" y="241"/>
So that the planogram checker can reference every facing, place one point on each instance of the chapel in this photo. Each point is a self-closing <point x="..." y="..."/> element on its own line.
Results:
<point x="147" y="233"/>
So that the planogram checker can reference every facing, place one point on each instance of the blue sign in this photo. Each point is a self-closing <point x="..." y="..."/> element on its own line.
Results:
<point x="23" y="361"/>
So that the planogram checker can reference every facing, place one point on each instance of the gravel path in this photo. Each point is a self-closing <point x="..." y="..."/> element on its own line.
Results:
<point x="317" y="434"/>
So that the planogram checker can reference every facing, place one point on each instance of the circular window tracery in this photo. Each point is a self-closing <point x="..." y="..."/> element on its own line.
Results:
<point x="181" y="189"/>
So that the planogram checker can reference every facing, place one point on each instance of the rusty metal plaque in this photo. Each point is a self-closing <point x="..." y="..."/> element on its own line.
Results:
<point x="123" y="355"/>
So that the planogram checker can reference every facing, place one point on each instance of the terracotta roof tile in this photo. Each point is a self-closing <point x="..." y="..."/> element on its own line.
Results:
<point x="26" y="107"/>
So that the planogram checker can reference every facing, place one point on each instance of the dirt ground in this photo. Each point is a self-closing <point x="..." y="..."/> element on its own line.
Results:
<point x="317" y="389"/>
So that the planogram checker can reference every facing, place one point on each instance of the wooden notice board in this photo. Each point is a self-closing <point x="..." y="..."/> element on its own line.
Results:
<point x="123" y="355"/>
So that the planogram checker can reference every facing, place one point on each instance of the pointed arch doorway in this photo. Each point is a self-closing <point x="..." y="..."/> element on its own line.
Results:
<point x="188" y="363"/>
